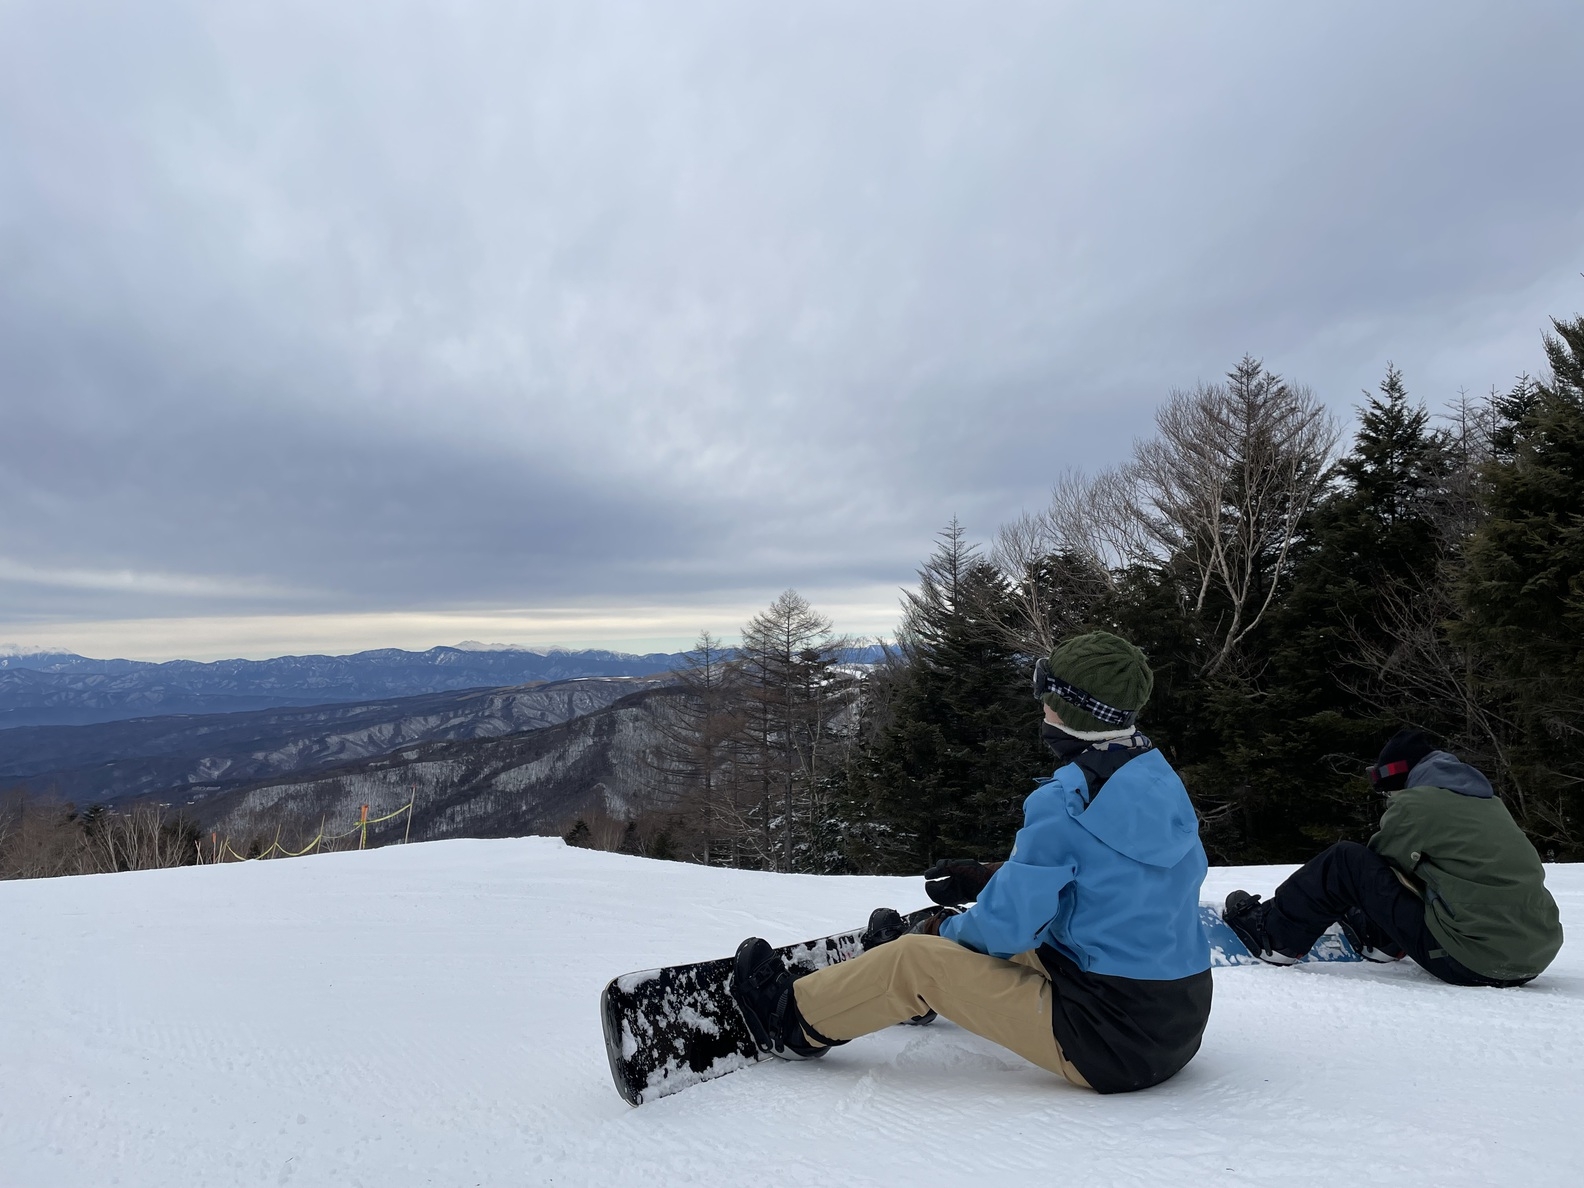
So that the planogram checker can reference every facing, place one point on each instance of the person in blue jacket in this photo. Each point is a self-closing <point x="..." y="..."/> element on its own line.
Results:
<point x="1083" y="952"/>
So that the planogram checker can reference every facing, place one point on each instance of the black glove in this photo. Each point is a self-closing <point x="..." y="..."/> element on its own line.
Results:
<point x="957" y="880"/>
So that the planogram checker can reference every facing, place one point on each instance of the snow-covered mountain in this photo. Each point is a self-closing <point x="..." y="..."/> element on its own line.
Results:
<point x="185" y="759"/>
<point x="60" y="688"/>
<point x="524" y="782"/>
<point x="427" y="1015"/>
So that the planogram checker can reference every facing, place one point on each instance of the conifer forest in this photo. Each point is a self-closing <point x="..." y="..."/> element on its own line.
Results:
<point x="1302" y="588"/>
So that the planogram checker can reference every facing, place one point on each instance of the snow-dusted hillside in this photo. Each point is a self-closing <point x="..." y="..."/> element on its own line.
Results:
<point x="426" y="1015"/>
<point x="188" y="759"/>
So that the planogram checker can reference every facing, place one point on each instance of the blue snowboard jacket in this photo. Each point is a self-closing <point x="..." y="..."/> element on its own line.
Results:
<point x="1111" y="883"/>
<point x="1104" y="885"/>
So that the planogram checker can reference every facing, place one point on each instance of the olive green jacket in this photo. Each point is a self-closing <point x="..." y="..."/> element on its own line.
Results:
<point x="1482" y="882"/>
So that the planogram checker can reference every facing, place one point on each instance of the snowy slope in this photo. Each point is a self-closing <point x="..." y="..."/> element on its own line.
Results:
<point x="427" y="1016"/>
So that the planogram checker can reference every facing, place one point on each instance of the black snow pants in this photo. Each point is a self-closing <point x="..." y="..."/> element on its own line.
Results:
<point x="1349" y="875"/>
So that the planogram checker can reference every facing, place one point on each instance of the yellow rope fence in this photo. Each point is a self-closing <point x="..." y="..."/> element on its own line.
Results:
<point x="221" y="848"/>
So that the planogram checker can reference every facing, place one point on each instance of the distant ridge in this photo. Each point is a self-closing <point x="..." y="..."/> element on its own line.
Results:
<point x="184" y="758"/>
<point x="504" y="785"/>
<point x="64" y="689"/>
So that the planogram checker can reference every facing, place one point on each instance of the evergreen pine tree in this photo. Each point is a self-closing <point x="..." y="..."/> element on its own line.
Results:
<point x="1374" y="535"/>
<point x="1372" y="546"/>
<point x="1523" y="591"/>
<point x="952" y="730"/>
<point x="794" y="693"/>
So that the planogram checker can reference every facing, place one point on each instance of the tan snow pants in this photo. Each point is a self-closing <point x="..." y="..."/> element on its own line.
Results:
<point x="1007" y="1002"/>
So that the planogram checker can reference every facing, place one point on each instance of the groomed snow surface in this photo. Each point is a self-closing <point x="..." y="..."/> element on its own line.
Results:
<point x="427" y="1015"/>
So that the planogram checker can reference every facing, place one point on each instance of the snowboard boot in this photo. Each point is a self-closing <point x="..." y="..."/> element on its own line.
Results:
<point x="1368" y="941"/>
<point x="885" y="925"/>
<point x="1245" y="915"/>
<point x="762" y="986"/>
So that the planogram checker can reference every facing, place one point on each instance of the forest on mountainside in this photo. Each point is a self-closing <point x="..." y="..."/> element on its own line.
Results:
<point x="1300" y="593"/>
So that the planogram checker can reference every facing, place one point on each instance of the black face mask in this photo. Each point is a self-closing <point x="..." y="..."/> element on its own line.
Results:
<point x="1063" y="745"/>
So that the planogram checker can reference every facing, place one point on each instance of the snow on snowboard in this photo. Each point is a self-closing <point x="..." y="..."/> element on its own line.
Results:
<point x="1227" y="949"/>
<point x="667" y="1029"/>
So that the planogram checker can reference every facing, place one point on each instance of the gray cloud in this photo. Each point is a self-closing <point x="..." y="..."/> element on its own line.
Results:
<point x="402" y="306"/>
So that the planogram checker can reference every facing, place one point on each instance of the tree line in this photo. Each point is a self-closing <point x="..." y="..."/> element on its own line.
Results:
<point x="48" y="840"/>
<point x="750" y="760"/>
<point x="1299" y="596"/>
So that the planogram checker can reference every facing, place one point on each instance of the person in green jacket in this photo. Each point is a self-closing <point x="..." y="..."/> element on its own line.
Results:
<point x="1449" y="880"/>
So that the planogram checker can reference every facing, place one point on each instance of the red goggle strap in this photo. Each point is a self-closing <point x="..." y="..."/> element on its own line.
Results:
<point x="1387" y="770"/>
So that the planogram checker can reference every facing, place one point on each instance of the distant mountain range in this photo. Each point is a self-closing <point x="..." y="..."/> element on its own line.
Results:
<point x="242" y="743"/>
<point x="60" y="689"/>
<point x="533" y="782"/>
<point x="185" y="759"/>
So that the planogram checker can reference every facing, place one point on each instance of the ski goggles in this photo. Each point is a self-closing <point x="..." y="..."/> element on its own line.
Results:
<point x="1046" y="683"/>
<point x="1385" y="771"/>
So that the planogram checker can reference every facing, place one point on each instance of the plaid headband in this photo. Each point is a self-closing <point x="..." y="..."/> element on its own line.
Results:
<point x="1073" y="695"/>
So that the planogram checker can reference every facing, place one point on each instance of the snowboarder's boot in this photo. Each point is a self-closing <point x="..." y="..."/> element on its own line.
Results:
<point x="1245" y="915"/>
<point x="1368" y="941"/>
<point x="762" y="986"/>
<point x="885" y="925"/>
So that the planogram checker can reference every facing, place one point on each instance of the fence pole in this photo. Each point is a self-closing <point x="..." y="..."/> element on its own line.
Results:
<point x="411" y="801"/>
<point x="363" y="825"/>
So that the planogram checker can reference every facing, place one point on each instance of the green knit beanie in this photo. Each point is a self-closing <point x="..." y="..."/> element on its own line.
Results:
<point x="1098" y="667"/>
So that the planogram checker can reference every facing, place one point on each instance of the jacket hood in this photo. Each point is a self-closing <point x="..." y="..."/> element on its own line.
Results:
<point x="1144" y="813"/>
<point x="1440" y="769"/>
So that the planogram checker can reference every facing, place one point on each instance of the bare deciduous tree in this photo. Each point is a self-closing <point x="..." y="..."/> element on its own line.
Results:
<point x="1061" y="561"/>
<point x="746" y="756"/>
<point x="693" y="759"/>
<point x="44" y="840"/>
<point x="1224" y="487"/>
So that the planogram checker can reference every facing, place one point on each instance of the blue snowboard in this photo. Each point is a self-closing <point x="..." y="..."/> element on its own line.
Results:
<point x="1226" y="949"/>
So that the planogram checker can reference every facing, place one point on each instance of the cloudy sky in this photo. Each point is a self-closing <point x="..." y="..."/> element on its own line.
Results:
<point x="378" y="323"/>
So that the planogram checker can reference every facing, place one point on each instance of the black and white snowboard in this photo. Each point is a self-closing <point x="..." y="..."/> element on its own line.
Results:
<point x="667" y="1029"/>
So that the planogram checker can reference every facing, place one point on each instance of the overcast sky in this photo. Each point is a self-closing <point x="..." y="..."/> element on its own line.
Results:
<point x="371" y="323"/>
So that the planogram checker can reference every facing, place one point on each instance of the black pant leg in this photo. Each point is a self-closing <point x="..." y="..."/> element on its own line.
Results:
<point x="1350" y="875"/>
<point x="1345" y="876"/>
